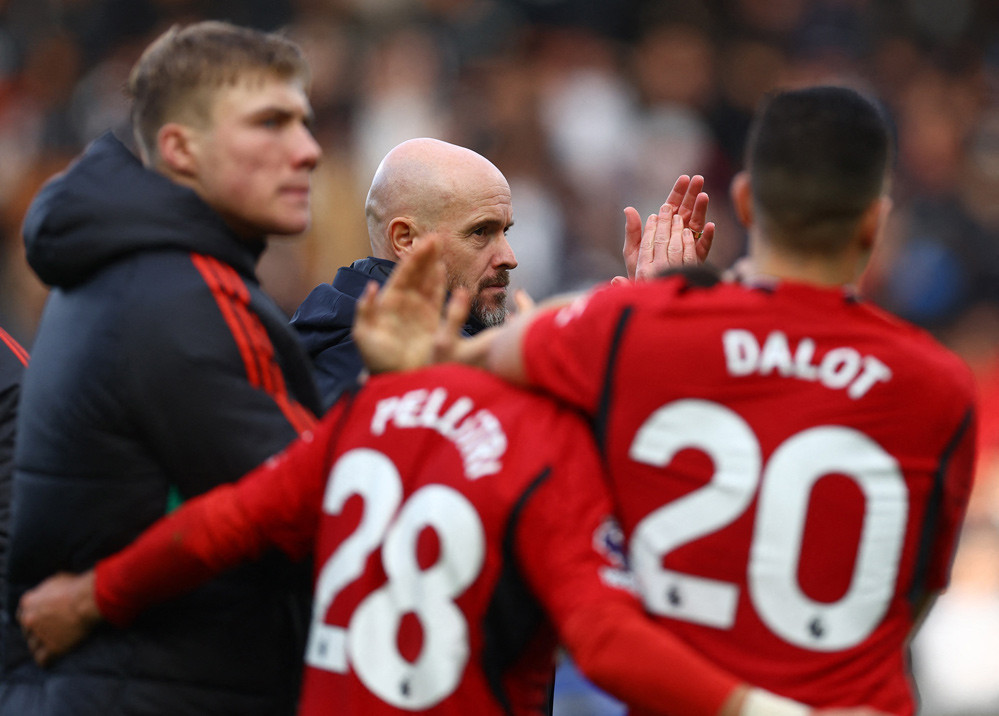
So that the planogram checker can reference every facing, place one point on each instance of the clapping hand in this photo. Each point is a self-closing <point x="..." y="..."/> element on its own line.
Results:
<point x="649" y="252"/>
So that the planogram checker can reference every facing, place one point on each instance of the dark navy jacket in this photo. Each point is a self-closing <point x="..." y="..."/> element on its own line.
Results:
<point x="324" y="320"/>
<point x="159" y="368"/>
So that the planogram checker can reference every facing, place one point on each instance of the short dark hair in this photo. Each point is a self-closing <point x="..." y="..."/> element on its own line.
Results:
<point x="817" y="157"/>
<point x="178" y="74"/>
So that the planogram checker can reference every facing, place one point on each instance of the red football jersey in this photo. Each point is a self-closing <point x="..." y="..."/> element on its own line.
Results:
<point x="790" y="466"/>
<point x="422" y="604"/>
<point x="455" y="520"/>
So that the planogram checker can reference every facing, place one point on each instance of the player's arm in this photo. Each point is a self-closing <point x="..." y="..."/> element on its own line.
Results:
<point x="566" y="551"/>
<point x="958" y="470"/>
<point x="274" y="505"/>
<point x="572" y="557"/>
<point x="603" y="626"/>
<point x="618" y="648"/>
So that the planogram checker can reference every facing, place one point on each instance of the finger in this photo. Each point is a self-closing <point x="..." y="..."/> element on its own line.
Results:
<point x="703" y="244"/>
<point x="679" y="191"/>
<point x="456" y="311"/>
<point x="645" y="252"/>
<point x="658" y="256"/>
<point x="689" y="247"/>
<point x="619" y="281"/>
<point x="697" y="217"/>
<point x="449" y="329"/>
<point x="664" y="224"/>
<point x="424" y="269"/>
<point x="411" y="272"/>
<point x="689" y="199"/>
<point x="41" y="653"/>
<point x="674" y="250"/>
<point x="26" y="614"/>
<point x="632" y="240"/>
<point x="632" y="229"/>
<point x="366" y="304"/>
<point x="435" y="280"/>
<point x="34" y="644"/>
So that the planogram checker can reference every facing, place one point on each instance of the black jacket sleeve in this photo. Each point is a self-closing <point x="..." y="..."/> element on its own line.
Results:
<point x="12" y="366"/>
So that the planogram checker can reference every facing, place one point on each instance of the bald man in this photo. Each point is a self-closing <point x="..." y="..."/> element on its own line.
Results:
<point x="423" y="187"/>
<point x="426" y="187"/>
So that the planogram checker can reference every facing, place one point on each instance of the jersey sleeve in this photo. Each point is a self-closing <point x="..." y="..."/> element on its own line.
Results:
<point x="956" y="477"/>
<point x="570" y="551"/>
<point x="276" y="504"/>
<point x="565" y="350"/>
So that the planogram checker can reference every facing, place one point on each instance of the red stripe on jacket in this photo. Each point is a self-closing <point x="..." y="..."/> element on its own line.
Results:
<point x="255" y="347"/>
<point x="15" y="347"/>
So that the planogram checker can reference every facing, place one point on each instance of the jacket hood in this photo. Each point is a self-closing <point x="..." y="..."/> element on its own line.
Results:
<point x="107" y="205"/>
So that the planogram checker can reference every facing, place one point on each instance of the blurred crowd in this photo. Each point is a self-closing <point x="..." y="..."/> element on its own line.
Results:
<point x="588" y="106"/>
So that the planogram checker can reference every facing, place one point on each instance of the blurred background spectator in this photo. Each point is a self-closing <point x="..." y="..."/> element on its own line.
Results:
<point x="588" y="106"/>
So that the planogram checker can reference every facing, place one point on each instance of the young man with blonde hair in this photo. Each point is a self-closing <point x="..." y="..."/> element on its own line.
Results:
<point x="160" y="369"/>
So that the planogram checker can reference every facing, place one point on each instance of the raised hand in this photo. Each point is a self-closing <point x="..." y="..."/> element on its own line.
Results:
<point x="400" y="327"/>
<point x="649" y="251"/>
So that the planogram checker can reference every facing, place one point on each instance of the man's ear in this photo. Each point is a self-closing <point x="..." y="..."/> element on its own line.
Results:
<point x="872" y="224"/>
<point x="401" y="235"/>
<point x="177" y="149"/>
<point x="741" y="194"/>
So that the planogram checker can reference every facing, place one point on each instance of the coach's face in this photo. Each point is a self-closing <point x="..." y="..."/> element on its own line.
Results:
<point x="472" y="229"/>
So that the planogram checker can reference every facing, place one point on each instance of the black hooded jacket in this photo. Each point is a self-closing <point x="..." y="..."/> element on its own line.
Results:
<point x="159" y="370"/>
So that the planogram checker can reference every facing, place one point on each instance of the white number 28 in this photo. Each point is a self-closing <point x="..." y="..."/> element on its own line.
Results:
<point x="369" y="643"/>
<point x="785" y="484"/>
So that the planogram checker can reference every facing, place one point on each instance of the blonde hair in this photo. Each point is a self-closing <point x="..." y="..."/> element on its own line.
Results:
<point x="179" y="73"/>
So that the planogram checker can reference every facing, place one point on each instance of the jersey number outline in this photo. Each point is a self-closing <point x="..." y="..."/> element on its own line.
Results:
<point x="785" y="484"/>
<point x="368" y="644"/>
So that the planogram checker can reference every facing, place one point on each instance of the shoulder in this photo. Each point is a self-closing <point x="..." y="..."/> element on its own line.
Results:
<point x="923" y="352"/>
<point x="172" y="285"/>
<point x="331" y="305"/>
<point x="326" y="306"/>
<point x="693" y="283"/>
<point x="536" y="419"/>
<point x="596" y="314"/>
<point x="184" y="305"/>
<point x="496" y="427"/>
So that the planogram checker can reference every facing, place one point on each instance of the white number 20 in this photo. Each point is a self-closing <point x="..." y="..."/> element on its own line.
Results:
<point x="369" y="642"/>
<point x="785" y="484"/>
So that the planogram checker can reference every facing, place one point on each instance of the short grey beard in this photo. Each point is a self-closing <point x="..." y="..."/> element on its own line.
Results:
<point x="487" y="317"/>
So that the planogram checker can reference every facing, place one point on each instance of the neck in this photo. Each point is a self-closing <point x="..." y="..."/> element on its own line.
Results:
<point x="841" y="269"/>
<point x="380" y="251"/>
